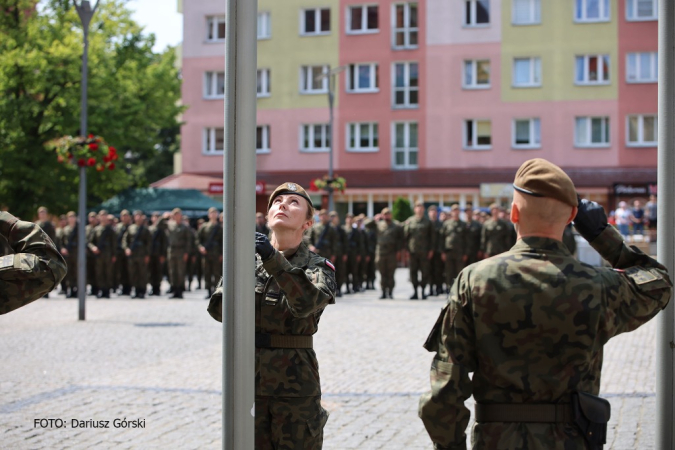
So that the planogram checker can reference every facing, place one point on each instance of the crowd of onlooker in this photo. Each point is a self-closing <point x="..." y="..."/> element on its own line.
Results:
<point x="635" y="220"/>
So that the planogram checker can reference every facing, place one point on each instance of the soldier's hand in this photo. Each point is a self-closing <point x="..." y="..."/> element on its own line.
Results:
<point x="443" y="257"/>
<point x="202" y="250"/>
<point x="591" y="219"/>
<point x="147" y="260"/>
<point x="64" y="251"/>
<point x="162" y="259"/>
<point x="263" y="247"/>
<point x="185" y="257"/>
<point x="430" y="254"/>
<point x="128" y="252"/>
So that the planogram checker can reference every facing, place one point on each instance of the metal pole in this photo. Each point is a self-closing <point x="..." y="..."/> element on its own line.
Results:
<point x="239" y="166"/>
<point x="331" y="98"/>
<point x="665" y="338"/>
<point x="86" y="13"/>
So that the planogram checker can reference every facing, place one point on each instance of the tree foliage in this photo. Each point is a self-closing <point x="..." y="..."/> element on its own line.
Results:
<point x="133" y="96"/>
<point x="401" y="209"/>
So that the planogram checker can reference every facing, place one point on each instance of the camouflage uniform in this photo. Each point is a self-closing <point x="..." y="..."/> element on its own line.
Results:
<point x="121" y="267"/>
<point x="495" y="237"/>
<point x="355" y="247"/>
<point x="91" y="261"/>
<point x="340" y="263"/>
<point x="437" y="270"/>
<point x="180" y="239"/>
<point x="324" y="239"/>
<point x="454" y="237"/>
<point x="48" y="227"/>
<point x="103" y="237"/>
<point x="139" y="240"/>
<point x="69" y="242"/>
<point x="210" y="236"/>
<point x="531" y="324"/>
<point x="30" y="265"/>
<point x="420" y="238"/>
<point x="473" y="236"/>
<point x="370" y="235"/>
<point x="290" y="295"/>
<point x="389" y="242"/>
<point x="158" y="248"/>
<point x="568" y="239"/>
<point x="194" y="261"/>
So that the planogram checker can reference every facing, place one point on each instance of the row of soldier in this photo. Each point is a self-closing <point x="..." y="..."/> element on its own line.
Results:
<point x="132" y="251"/>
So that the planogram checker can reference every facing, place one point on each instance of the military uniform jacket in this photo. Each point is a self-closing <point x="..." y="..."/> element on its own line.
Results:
<point x="420" y="234"/>
<point x="158" y="240"/>
<point x="210" y="236"/>
<point x="389" y="237"/>
<point x="324" y="239"/>
<point x="30" y="264"/>
<point x="48" y="227"/>
<point x="355" y="241"/>
<point x="180" y="237"/>
<point x="473" y="236"/>
<point x="290" y="295"/>
<point x="496" y="237"/>
<point x="531" y="324"/>
<point x="69" y="240"/>
<point x="104" y="238"/>
<point x="138" y="240"/>
<point x="454" y="235"/>
<point x="120" y="230"/>
<point x="341" y="241"/>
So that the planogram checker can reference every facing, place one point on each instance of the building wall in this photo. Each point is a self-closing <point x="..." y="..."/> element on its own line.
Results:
<point x="446" y="24"/>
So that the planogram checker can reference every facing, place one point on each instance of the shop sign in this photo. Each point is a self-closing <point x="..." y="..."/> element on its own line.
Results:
<point x="496" y="190"/>
<point x="634" y="189"/>
<point x="216" y="187"/>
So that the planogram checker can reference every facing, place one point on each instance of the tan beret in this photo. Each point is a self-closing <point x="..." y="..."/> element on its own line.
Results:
<point x="432" y="208"/>
<point x="541" y="178"/>
<point x="493" y="206"/>
<point x="350" y="215"/>
<point x="385" y="211"/>
<point x="289" y="188"/>
<point x="454" y="207"/>
<point x="419" y="203"/>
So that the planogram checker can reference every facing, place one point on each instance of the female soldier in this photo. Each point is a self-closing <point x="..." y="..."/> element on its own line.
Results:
<point x="292" y="287"/>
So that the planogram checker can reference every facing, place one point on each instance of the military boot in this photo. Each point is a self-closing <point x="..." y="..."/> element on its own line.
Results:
<point x="384" y="294"/>
<point x="72" y="293"/>
<point x="424" y="295"/>
<point x="177" y="293"/>
<point x="209" y="292"/>
<point x="414" y="296"/>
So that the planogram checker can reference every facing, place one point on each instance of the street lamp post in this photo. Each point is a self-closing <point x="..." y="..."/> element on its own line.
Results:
<point x="330" y="75"/>
<point x="86" y="12"/>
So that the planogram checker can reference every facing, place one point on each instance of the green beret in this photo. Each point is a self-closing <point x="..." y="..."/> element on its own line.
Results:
<point x="289" y="188"/>
<point x="541" y="178"/>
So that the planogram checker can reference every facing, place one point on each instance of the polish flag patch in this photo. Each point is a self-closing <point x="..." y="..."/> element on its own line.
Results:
<point x="330" y="264"/>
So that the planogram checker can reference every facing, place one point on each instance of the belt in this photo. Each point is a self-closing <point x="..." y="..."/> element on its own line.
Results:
<point x="265" y="340"/>
<point x="524" y="412"/>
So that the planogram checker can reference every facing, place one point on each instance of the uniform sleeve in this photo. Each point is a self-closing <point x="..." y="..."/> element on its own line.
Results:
<point x="442" y="409"/>
<point x="125" y="239"/>
<point x="433" y="236"/>
<point x="148" y="241"/>
<point x="307" y="290"/>
<point x="33" y="270"/>
<point x="637" y="291"/>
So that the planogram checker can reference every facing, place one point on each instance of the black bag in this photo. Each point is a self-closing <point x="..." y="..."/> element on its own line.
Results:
<point x="591" y="415"/>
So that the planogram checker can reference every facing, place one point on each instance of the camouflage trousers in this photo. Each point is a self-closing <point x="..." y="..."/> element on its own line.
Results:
<point x="353" y="276"/>
<point x="138" y="272"/>
<point x="121" y="271"/>
<point x="453" y="265"/>
<point x="369" y="268"/>
<point x="213" y="270"/>
<point x="155" y="271"/>
<point x="340" y="270"/>
<point x="437" y="270"/>
<point x="419" y="263"/>
<point x="71" y="275"/>
<point x="176" y="268"/>
<point x="104" y="274"/>
<point x="386" y="265"/>
<point x="289" y="423"/>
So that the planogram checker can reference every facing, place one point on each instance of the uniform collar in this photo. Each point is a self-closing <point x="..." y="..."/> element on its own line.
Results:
<point x="529" y="243"/>
<point x="301" y="256"/>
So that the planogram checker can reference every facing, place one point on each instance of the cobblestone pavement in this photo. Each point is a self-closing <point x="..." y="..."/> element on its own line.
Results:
<point x="159" y="360"/>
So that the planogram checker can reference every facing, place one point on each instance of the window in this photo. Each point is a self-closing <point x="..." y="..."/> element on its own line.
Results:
<point x="406" y="85"/>
<point x="264" y="25"/>
<point x="642" y="67"/>
<point x="264" y="86"/>
<point x="315" y="138"/>
<point x="362" y="19"/>
<point x="315" y="21"/>
<point x="591" y="10"/>
<point x="214" y="141"/>
<point x="405" y="26"/>
<point x="363" y="78"/>
<point x="262" y="139"/>
<point x="526" y="133"/>
<point x="214" y="85"/>
<point x="642" y="131"/>
<point x="476" y="74"/>
<point x="526" y="72"/>
<point x="477" y="134"/>
<point x="526" y="12"/>
<point x="362" y="137"/>
<point x="405" y="148"/>
<point x="641" y="10"/>
<point x="592" y="69"/>
<point x="215" y="28"/>
<point x="476" y="12"/>
<point x="591" y="132"/>
<point x="312" y="79"/>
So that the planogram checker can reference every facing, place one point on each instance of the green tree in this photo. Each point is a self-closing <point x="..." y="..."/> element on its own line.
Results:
<point x="401" y="209"/>
<point x="133" y="102"/>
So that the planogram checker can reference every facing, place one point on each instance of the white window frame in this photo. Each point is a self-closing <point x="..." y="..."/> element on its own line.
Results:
<point x="535" y="62"/>
<point x="317" y="18"/>
<point x="535" y="6"/>
<point x="325" y="137"/>
<point x="474" y="15"/>
<point x="653" y="56"/>
<point x="473" y="63"/>
<point x="210" y="83"/>
<point x="264" y="75"/>
<point x="209" y="141"/>
<point x="212" y="23"/>
<point x="631" y="16"/>
<point x="364" y="19"/>
<point x="605" y="12"/>
<point x="266" y="135"/>
<point x="589" y="132"/>
<point x="264" y="32"/>
<point x="372" y="126"/>
<point x="474" y="145"/>
<point x="407" y="89"/>
<point x="407" y="149"/>
<point x="305" y="72"/>
<point x="533" y="136"/>
<point x="407" y="30"/>
<point x="585" y="81"/>
<point x="641" y="131"/>
<point x="353" y="70"/>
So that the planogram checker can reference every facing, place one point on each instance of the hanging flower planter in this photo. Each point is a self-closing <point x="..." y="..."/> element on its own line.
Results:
<point x="91" y="151"/>
<point x="325" y="183"/>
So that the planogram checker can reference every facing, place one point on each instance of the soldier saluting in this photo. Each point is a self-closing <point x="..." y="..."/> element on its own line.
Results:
<point x="531" y="324"/>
